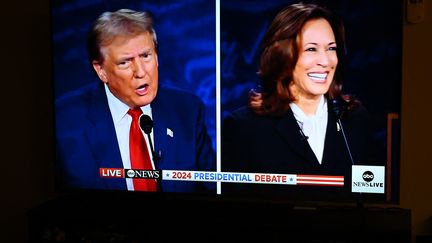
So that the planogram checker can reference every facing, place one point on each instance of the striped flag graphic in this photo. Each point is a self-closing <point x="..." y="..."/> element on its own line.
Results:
<point x="320" y="180"/>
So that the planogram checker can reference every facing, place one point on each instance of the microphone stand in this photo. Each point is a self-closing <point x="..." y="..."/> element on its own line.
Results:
<point x="337" y="110"/>
<point x="146" y="124"/>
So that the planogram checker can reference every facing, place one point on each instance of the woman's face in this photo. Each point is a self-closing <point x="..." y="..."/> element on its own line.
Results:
<point x="317" y="60"/>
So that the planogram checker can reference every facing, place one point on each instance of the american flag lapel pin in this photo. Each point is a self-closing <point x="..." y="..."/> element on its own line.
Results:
<point x="170" y="132"/>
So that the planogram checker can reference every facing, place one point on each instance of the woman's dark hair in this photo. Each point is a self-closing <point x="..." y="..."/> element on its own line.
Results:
<point x="280" y="54"/>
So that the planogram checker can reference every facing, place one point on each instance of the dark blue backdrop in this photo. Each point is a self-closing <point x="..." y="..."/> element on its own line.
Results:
<point x="187" y="44"/>
<point x="374" y="49"/>
<point x="374" y="57"/>
<point x="187" y="50"/>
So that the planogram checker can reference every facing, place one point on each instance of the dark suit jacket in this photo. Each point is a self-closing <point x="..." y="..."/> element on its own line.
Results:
<point x="86" y="139"/>
<point x="265" y="144"/>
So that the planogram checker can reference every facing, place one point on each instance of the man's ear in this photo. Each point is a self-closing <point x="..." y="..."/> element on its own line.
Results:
<point x="100" y="71"/>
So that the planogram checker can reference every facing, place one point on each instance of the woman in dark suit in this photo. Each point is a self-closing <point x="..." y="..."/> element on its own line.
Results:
<point x="291" y="126"/>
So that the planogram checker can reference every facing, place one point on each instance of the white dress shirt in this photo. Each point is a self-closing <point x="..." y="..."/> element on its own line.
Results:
<point x="314" y="127"/>
<point x="122" y="122"/>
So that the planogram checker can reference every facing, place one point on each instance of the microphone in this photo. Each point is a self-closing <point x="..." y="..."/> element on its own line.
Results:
<point x="337" y="109"/>
<point x="146" y="124"/>
<point x="303" y="136"/>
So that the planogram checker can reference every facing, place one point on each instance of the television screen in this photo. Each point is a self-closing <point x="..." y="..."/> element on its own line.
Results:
<point x="91" y="143"/>
<point x="371" y="73"/>
<point x="191" y="68"/>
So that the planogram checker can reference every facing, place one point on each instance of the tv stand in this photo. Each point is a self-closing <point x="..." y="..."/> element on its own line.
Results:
<point x="141" y="218"/>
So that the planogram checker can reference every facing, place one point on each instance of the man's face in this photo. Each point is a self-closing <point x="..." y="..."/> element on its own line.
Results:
<point x="130" y="69"/>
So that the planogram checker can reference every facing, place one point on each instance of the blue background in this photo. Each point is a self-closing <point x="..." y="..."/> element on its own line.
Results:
<point x="374" y="49"/>
<point x="187" y="50"/>
<point x="186" y="36"/>
<point x="373" y="71"/>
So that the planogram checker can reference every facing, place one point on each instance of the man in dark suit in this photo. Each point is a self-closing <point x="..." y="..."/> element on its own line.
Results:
<point x="92" y="124"/>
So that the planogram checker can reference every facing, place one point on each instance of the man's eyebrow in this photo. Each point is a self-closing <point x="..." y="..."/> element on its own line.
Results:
<point x="125" y="58"/>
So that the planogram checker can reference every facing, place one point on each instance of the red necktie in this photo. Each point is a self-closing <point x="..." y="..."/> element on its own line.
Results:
<point x="139" y="156"/>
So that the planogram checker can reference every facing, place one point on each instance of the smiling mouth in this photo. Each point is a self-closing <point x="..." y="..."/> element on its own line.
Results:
<point x="320" y="77"/>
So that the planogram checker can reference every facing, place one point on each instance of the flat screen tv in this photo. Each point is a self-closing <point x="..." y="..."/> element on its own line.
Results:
<point x="211" y="49"/>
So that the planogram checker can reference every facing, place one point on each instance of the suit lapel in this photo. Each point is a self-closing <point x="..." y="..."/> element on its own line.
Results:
<point x="335" y="156"/>
<point x="289" y="129"/>
<point x="102" y="137"/>
<point x="330" y="139"/>
<point x="160" y="129"/>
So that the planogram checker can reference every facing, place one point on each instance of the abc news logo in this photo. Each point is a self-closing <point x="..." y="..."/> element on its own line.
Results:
<point x="143" y="174"/>
<point x="130" y="173"/>
<point x="368" y="177"/>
